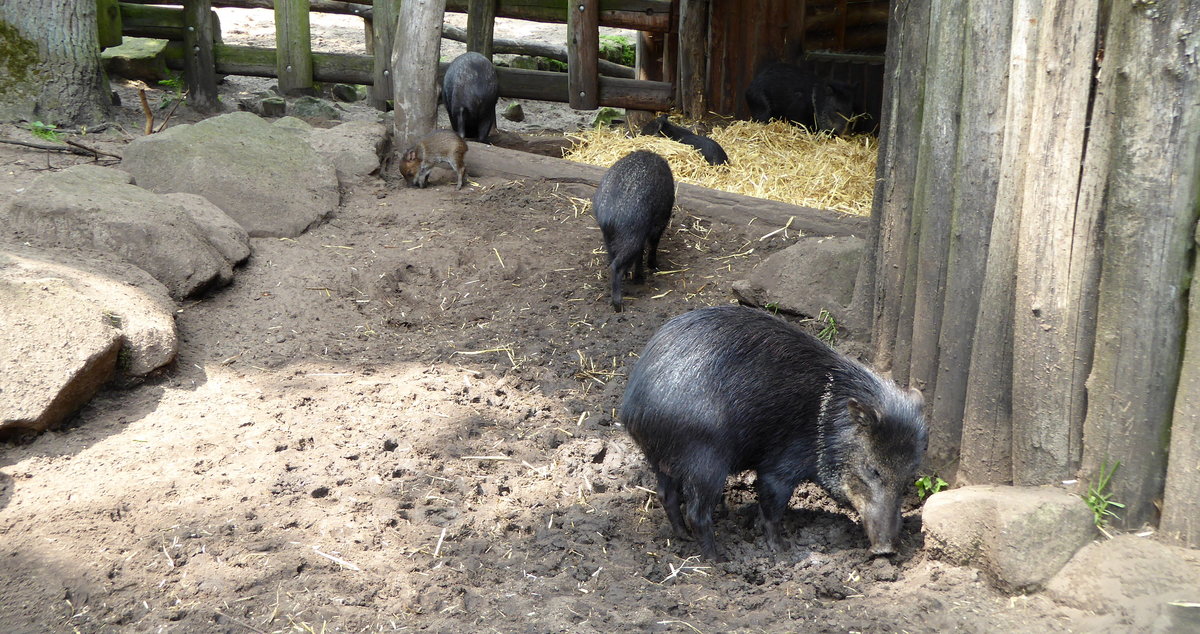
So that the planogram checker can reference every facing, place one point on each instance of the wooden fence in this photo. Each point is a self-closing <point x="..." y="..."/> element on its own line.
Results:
<point x="196" y="49"/>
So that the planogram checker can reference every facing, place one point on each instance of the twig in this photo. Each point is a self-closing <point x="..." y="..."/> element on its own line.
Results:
<point x="149" y="127"/>
<point x="487" y="458"/>
<point x="337" y="560"/>
<point x="97" y="153"/>
<point x="437" y="549"/>
<point x="237" y="622"/>
<point x="72" y="147"/>
<point x="172" y="110"/>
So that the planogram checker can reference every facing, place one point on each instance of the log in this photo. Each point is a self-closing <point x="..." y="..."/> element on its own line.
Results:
<point x="342" y="7"/>
<point x="415" y="68"/>
<point x="638" y="15"/>
<point x="489" y="160"/>
<point x="693" y="57"/>
<point x="198" y="69"/>
<point x="293" y="46"/>
<point x="618" y="93"/>
<point x="108" y="23"/>
<point x="509" y="46"/>
<point x="583" y="48"/>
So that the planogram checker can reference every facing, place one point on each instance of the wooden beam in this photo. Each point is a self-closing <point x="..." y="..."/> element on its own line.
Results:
<point x="108" y="23"/>
<point x="415" y="68"/>
<point x="583" y="47"/>
<point x="481" y="24"/>
<point x="198" y="64"/>
<point x="537" y="49"/>
<point x="293" y="47"/>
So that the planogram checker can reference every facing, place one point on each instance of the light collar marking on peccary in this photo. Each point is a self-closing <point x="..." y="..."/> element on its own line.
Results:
<point x="822" y="469"/>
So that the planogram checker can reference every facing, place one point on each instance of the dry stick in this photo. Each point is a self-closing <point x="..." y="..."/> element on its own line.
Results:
<point x="94" y="151"/>
<point x="149" y="127"/>
<point x="172" y="111"/>
<point x="72" y="147"/>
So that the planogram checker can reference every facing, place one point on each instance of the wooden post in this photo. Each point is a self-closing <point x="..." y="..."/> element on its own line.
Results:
<point x="693" y="56"/>
<point x="383" y="30"/>
<point x="415" y="67"/>
<point x="583" y="77"/>
<point x="481" y="24"/>
<point x="108" y="22"/>
<point x="293" y="47"/>
<point x="1181" y="499"/>
<point x="199" y="65"/>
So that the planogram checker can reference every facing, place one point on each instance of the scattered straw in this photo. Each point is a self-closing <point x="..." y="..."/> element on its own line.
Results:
<point x="776" y="160"/>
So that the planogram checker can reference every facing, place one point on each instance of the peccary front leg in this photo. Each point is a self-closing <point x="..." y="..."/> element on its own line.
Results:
<point x="773" y="496"/>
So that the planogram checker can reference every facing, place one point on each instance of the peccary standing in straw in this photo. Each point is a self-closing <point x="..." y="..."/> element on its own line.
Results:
<point x="712" y="151"/>
<point x="439" y="146"/>
<point x="470" y="90"/>
<point x="729" y="389"/>
<point x="785" y="91"/>
<point x="633" y="206"/>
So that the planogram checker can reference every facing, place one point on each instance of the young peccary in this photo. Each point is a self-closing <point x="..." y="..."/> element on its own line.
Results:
<point x="470" y="90"/>
<point x="439" y="146"/>
<point x="784" y="91"/>
<point x="633" y="207"/>
<point x="728" y="389"/>
<point x="712" y="151"/>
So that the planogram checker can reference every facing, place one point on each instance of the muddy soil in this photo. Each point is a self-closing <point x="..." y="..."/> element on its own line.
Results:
<point x="405" y="420"/>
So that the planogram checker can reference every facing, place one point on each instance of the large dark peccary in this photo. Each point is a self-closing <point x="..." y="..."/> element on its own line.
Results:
<point x="712" y="151"/>
<point x="785" y="91"/>
<point x="633" y="207"/>
<point x="470" y="90"/>
<point x="729" y="389"/>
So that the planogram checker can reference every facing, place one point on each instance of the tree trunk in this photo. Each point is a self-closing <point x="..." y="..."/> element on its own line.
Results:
<point x="986" y="455"/>
<point x="51" y="57"/>
<point x="1181" y="500"/>
<point x="934" y="200"/>
<point x="1048" y="399"/>
<point x="415" y="66"/>
<point x="904" y="75"/>
<point x="976" y="174"/>
<point x="1150" y="215"/>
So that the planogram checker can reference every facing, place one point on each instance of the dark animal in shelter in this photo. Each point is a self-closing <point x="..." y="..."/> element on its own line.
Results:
<point x="729" y="389"/>
<point x="470" y="90"/>
<point x="712" y="151"/>
<point x="786" y="91"/>
<point x="439" y="146"/>
<point x="633" y="207"/>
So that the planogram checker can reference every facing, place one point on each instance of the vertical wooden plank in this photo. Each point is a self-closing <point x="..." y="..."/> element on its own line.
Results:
<point x="1048" y="374"/>
<point x="583" y="76"/>
<point x="671" y="51"/>
<point x="840" y="28"/>
<point x="383" y="33"/>
<point x="481" y="25"/>
<point x="693" y="56"/>
<point x="1149" y="215"/>
<point x="986" y="455"/>
<point x="1181" y="498"/>
<point x="199" y="64"/>
<point x="415" y="67"/>
<point x="647" y="66"/>
<point x="293" y="47"/>
<point x="108" y="23"/>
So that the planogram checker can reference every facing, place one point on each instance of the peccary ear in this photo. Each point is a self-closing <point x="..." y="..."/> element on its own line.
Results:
<point x="863" y="415"/>
<point x="916" y="397"/>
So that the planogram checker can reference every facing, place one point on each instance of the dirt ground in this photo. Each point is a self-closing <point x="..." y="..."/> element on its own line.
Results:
<point x="404" y="420"/>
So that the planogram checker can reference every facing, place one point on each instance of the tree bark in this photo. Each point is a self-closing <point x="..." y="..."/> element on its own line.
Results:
<point x="1150" y="215"/>
<point x="986" y="454"/>
<point x="1048" y="403"/>
<point x="415" y="68"/>
<point x="51" y="55"/>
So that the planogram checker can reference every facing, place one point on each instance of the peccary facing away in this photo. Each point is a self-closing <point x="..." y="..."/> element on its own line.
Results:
<point x="470" y="90"/>
<point x="729" y="389"/>
<point x="439" y="146"/>
<point x="633" y="206"/>
<point x="712" y="151"/>
<point x="784" y="91"/>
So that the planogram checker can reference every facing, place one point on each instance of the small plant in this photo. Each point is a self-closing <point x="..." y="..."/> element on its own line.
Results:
<point x="45" y="132"/>
<point x="176" y="86"/>
<point x="1099" y="499"/>
<point x="829" y="332"/>
<point x="772" y="307"/>
<point x="928" y="485"/>
<point x="618" y="49"/>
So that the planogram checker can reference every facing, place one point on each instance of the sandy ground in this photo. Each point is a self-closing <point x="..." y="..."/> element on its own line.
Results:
<point x="404" y="420"/>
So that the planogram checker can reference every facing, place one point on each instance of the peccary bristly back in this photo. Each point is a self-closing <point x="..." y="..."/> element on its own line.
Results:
<point x="729" y="389"/>
<point x="633" y="207"/>
<point x="785" y="91"/>
<point x="470" y="90"/>
<point x="710" y="149"/>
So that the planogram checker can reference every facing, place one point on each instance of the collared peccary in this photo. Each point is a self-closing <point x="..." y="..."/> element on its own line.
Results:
<point x="712" y="151"/>
<point x="633" y="207"/>
<point x="785" y="91"/>
<point x="730" y="389"/>
<point x="439" y="146"/>
<point x="470" y="90"/>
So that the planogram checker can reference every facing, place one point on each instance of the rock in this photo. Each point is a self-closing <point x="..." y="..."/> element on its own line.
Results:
<point x="514" y="112"/>
<point x="137" y="58"/>
<point x="137" y="305"/>
<point x="1135" y="578"/>
<point x="226" y="236"/>
<point x="273" y="106"/>
<point x="815" y="274"/>
<point x="355" y="148"/>
<point x="314" y="108"/>
<point x="268" y="179"/>
<point x="97" y="208"/>
<point x="1019" y="537"/>
<point x="524" y="62"/>
<point x="345" y="93"/>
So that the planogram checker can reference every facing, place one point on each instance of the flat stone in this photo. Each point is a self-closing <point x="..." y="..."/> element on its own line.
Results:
<point x="815" y="274"/>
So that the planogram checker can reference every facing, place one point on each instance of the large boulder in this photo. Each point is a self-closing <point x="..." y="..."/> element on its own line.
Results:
<point x="268" y="179"/>
<point x="1019" y="537"/>
<point x="355" y="148"/>
<point x="97" y="208"/>
<point x="815" y="274"/>
<point x="72" y="323"/>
